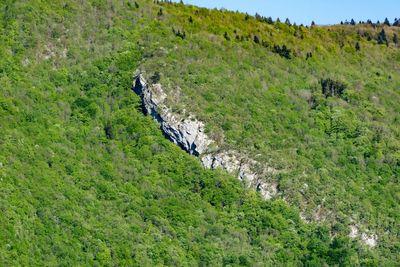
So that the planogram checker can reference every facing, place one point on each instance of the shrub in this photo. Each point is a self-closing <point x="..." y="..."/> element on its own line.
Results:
<point x="155" y="78"/>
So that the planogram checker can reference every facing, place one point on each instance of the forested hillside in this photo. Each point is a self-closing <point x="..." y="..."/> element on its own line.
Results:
<point x="318" y="103"/>
<point x="87" y="180"/>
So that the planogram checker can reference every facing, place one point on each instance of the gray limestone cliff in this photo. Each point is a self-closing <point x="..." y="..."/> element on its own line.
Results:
<point x="188" y="133"/>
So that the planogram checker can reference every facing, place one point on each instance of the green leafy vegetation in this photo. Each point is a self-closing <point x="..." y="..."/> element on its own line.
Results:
<point x="87" y="180"/>
<point x="323" y="110"/>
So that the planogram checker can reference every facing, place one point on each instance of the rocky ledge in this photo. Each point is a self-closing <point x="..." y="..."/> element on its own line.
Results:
<point x="188" y="133"/>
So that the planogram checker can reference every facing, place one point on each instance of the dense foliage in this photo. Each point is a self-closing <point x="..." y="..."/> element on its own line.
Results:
<point x="87" y="180"/>
<point x="319" y="103"/>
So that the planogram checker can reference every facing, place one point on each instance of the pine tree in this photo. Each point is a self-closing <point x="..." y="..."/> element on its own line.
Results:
<point x="358" y="47"/>
<point x="287" y="21"/>
<point x="178" y="33"/>
<point x="382" y="38"/>
<point x="226" y="36"/>
<point x="386" y="22"/>
<point x="352" y="22"/>
<point x="282" y="51"/>
<point x="312" y="23"/>
<point x="332" y="88"/>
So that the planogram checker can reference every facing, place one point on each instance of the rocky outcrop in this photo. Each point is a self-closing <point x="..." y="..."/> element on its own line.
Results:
<point x="367" y="238"/>
<point x="189" y="134"/>
<point x="248" y="170"/>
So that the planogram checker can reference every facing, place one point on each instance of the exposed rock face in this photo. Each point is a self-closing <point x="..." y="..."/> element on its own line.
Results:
<point x="367" y="239"/>
<point x="244" y="168"/>
<point x="189" y="134"/>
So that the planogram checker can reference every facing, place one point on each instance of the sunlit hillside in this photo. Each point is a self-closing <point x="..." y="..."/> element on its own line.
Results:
<point x="86" y="179"/>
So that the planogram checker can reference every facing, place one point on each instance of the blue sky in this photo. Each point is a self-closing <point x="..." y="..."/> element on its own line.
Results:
<point x="305" y="11"/>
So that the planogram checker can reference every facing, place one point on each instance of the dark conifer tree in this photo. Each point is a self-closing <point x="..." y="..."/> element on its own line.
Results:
<point x="282" y="51"/>
<point x="332" y="88"/>
<point x="395" y="39"/>
<point x="358" y="47"/>
<point x="386" y="22"/>
<point x="226" y="36"/>
<point x="352" y="22"/>
<point x="382" y="38"/>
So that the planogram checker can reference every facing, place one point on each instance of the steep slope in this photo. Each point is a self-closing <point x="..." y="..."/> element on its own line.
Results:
<point x="318" y="104"/>
<point x="188" y="133"/>
<point x="87" y="180"/>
